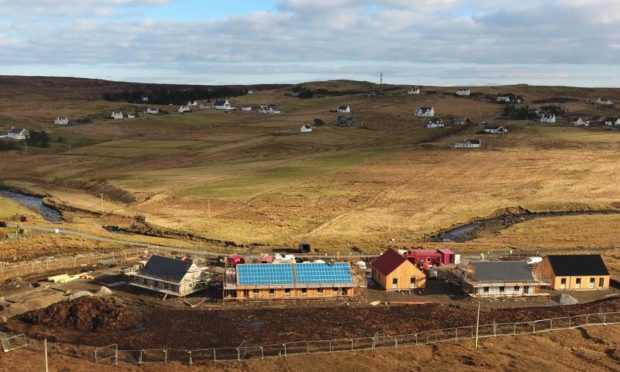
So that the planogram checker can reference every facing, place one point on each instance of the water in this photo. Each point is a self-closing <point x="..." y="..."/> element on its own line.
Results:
<point x="457" y="234"/>
<point x="34" y="202"/>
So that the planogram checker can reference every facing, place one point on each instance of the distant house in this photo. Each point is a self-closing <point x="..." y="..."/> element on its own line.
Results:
<point x="145" y="99"/>
<point x="460" y="121"/>
<point x="494" y="129"/>
<point x="184" y="108"/>
<point x="413" y="90"/>
<point x="117" y="115"/>
<point x="603" y="102"/>
<point x="271" y="110"/>
<point x="61" y="120"/>
<point x="250" y="91"/>
<point x="17" y="134"/>
<point x="393" y="272"/>
<point x="610" y="122"/>
<point x="345" y="121"/>
<point x="581" y="123"/>
<point x="222" y="105"/>
<point x="463" y="92"/>
<point x="425" y="111"/>
<point x="499" y="279"/>
<point x="435" y="123"/>
<point x="305" y="128"/>
<point x="575" y="272"/>
<point x="507" y="98"/>
<point x="547" y="117"/>
<point x="152" y="111"/>
<point x="131" y="116"/>
<point x="246" y="108"/>
<point x="468" y="144"/>
<point x="344" y="109"/>
<point x="192" y="103"/>
<point x="372" y="93"/>
<point x="171" y="276"/>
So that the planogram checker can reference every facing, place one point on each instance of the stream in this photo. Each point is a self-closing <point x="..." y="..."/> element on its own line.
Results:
<point x="34" y="202"/>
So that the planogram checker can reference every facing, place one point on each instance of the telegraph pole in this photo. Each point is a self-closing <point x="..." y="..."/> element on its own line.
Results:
<point x="477" y="324"/>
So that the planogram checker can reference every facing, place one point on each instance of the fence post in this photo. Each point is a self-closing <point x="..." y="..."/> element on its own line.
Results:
<point x="569" y="322"/>
<point x="262" y="353"/>
<point x="605" y="318"/>
<point x="116" y="355"/>
<point x="551" y="323"/>
<point x="494" y="328"/>
<point x="514" y="328"/>
<point x="396" y="342"/>
<point x="352" y="342"/>
<point x="140" y="360"/>
<point x="308" y="347"/>
<point x="416" y="338"/>
<point x="533" y="327"/>
<point x="165" y="356"/>
<point x="214" y="356"/>
<point x="190" y="358"/>
<point x="285" y="355"/>
<point x="330" y="346"/>
<point x="238" y="354"/>
<point x="456" y="334"/>
<point x="587" y="318"/>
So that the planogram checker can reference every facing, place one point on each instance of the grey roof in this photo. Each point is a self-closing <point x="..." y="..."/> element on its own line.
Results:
<point x="167" y="268"/>
<point x="220" y="103"/>
<point x="425" y="108"/>
<point x="15" y="130"/>
<point x="502" y="271"/>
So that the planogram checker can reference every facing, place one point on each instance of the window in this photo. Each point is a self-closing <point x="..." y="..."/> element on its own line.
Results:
<point x="501" y="289"/>
<point x="563" y="283"/>
<point x="526" y="289"/>
<point x="395" y="283"/>
<point x="272" y="292"/>
<point x="246" y="293"/>
<point x="592" y="281"/>
<point x="304" y="291"/>
<point x="578" y="283"/>
<point x="319" y="292"/>
<point x="412" y="282"/>
<point x="485" y="290"/>
<point x="601" y="282"/>
<point x="516" y="288"/>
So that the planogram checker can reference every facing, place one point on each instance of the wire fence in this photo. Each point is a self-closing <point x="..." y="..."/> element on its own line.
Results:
<point x="112" y="355"/>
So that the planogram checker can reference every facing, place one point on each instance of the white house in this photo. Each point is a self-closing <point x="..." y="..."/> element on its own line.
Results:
<point x="145" y="99"/>
<point x="269" y="109"/>
<point x="222" y="105"/>
<point x="507" y="98"/>
<point x="463" y="92"/>
<point x="425" y="111"/>
<point x="603" y="102"/>
<point x="413" y="90"/>
<point x="547" y="117"/>
<point x="581" y="123"/>
<point x="170" y="276"/>
<point x="494" y="129"/>
<point x="152" y="111"/>
<point x="344" y="109"/>
<point x="184" y="108"/>
<point x="460" y="121"/>
<point x="468" y="144"/>
<point x="306" y="128"/>
<point x="250" y="91"/>
<point x="612" y="122"/>
<point x="131" y="116"/>
<point x="192" y="103"/>
<point x="246" y="108"/>
<point x="61" y="120"/>
<point x="435" y="123"/>
<point x="17" y="134"/>
<point x="118" y="115"/>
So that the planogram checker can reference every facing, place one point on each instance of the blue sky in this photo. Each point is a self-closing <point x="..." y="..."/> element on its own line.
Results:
<point x="441" y="42"/>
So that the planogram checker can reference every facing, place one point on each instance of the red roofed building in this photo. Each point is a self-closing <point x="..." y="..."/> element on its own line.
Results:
<point x="394" y="272"/>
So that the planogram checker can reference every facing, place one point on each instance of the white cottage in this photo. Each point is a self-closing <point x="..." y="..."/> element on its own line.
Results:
<point x="494" y="129"/>
<point x="272" y="110"/>
<point x="463" y="92"/>
<point x="413" y="90"/>
<point x="171" y="276"/>
<point x="17" y="134"/>
<point x="468" y="144"/>
<point x="61" y="120"/>
<point x="344" y="109"/>
<point x="425" y="111"/>
<point x="152" y="111"/>
<point x="222" y="105"/>
<point x="184" y="108"/>
<point x="246" y="108"/>
<point x="581" y="123"/>
<point x="610" y="122"/>
<point x="117" y="115"/>
<point x="306" y="128"/>
<point x="547" y="117"/>
<point x="435" y="123"/>
<point x="131" y="116"/>
<point x="603" y="101"/>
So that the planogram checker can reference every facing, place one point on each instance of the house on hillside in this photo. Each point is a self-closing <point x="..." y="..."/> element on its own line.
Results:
<point x="246" y="108"/>
<point x="603" y="102"/>
<point x="413" y="90"/>
<point x="498" y="279"/>
<point x="270" y="110"/>
<point x="306" y="128"/>
<point x="547" y="117"/>
<point x="508" y="98"/>
<point x="61" y="120"/>
<point x="468" y="144"/>
<point x="152" y="111"/>
<point x="612" y="122"/>
<point x="171" y="276"/>
<point x="345" y="121"/>
<point x="581" y="123"/>
<point x="494" y="129"/>
<point x="393" y="272"/>
<point x="460" y="121"/>
<point x="222" y="105"/>
<point x="425" y="111"/>
<point x="463" y="92"/>
<point x="145" y="99"/>
<point x="285" y="281"/>
<point x="192" y="103"/>
<point x="435" y="123"/>
<point x="131" y="116"/>
<point x="184" y="108"/>
<point x="575" y="272"/>
<point x="344" y="109"/>
<point x="117" y="115"/>
<point x="17" y="134"/>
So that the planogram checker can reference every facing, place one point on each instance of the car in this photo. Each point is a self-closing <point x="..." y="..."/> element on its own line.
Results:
<point x="534" y="260"/>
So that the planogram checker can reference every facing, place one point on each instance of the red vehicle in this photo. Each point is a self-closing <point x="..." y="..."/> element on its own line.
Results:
<point x="235" y="260"/>
<point x="426" y="257"/>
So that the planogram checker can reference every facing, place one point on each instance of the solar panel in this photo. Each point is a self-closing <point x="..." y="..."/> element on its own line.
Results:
<point x="324" y="273"/>
<point x="264" y="274"/>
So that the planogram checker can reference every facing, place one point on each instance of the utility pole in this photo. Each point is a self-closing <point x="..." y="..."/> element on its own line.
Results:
<point x="101" y="195"/>
<point x="477" y="324"/>
<point x="46" y="363"/>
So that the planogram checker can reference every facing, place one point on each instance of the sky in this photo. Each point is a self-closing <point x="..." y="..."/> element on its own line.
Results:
<point x="425" y="42"/>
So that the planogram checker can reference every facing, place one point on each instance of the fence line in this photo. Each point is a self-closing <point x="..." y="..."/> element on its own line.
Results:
<point x="112" y="355"/>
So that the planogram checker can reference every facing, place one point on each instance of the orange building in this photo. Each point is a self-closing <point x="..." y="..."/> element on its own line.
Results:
<point x="575" y="272"/>
<point x="394" y="272"/>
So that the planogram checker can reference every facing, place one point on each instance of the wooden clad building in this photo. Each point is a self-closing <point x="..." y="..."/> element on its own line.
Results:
<point x="575" y="272"/>
<point x="393" y="272"/>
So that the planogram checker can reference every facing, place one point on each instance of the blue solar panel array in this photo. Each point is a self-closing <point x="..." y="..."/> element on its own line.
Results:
<point x="264" y="274"/>
<point x="323" y="273"/>
<point x="290" y="274"/>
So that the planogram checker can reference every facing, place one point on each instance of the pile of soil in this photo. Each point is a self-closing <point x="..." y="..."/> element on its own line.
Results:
<point x="85" y="314"/>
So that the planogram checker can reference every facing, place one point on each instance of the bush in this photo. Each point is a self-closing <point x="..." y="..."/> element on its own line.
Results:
<point x="318" y="122"/>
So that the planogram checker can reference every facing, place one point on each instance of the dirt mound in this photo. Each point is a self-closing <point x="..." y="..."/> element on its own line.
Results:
<point x="85" y="314"/>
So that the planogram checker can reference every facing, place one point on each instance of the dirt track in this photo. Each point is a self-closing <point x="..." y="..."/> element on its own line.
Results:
<point x="192" y="329"/>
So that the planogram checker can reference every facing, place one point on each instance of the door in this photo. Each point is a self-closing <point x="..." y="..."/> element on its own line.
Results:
<point x="563" y="283"/>
<point x="395" y="283"/>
